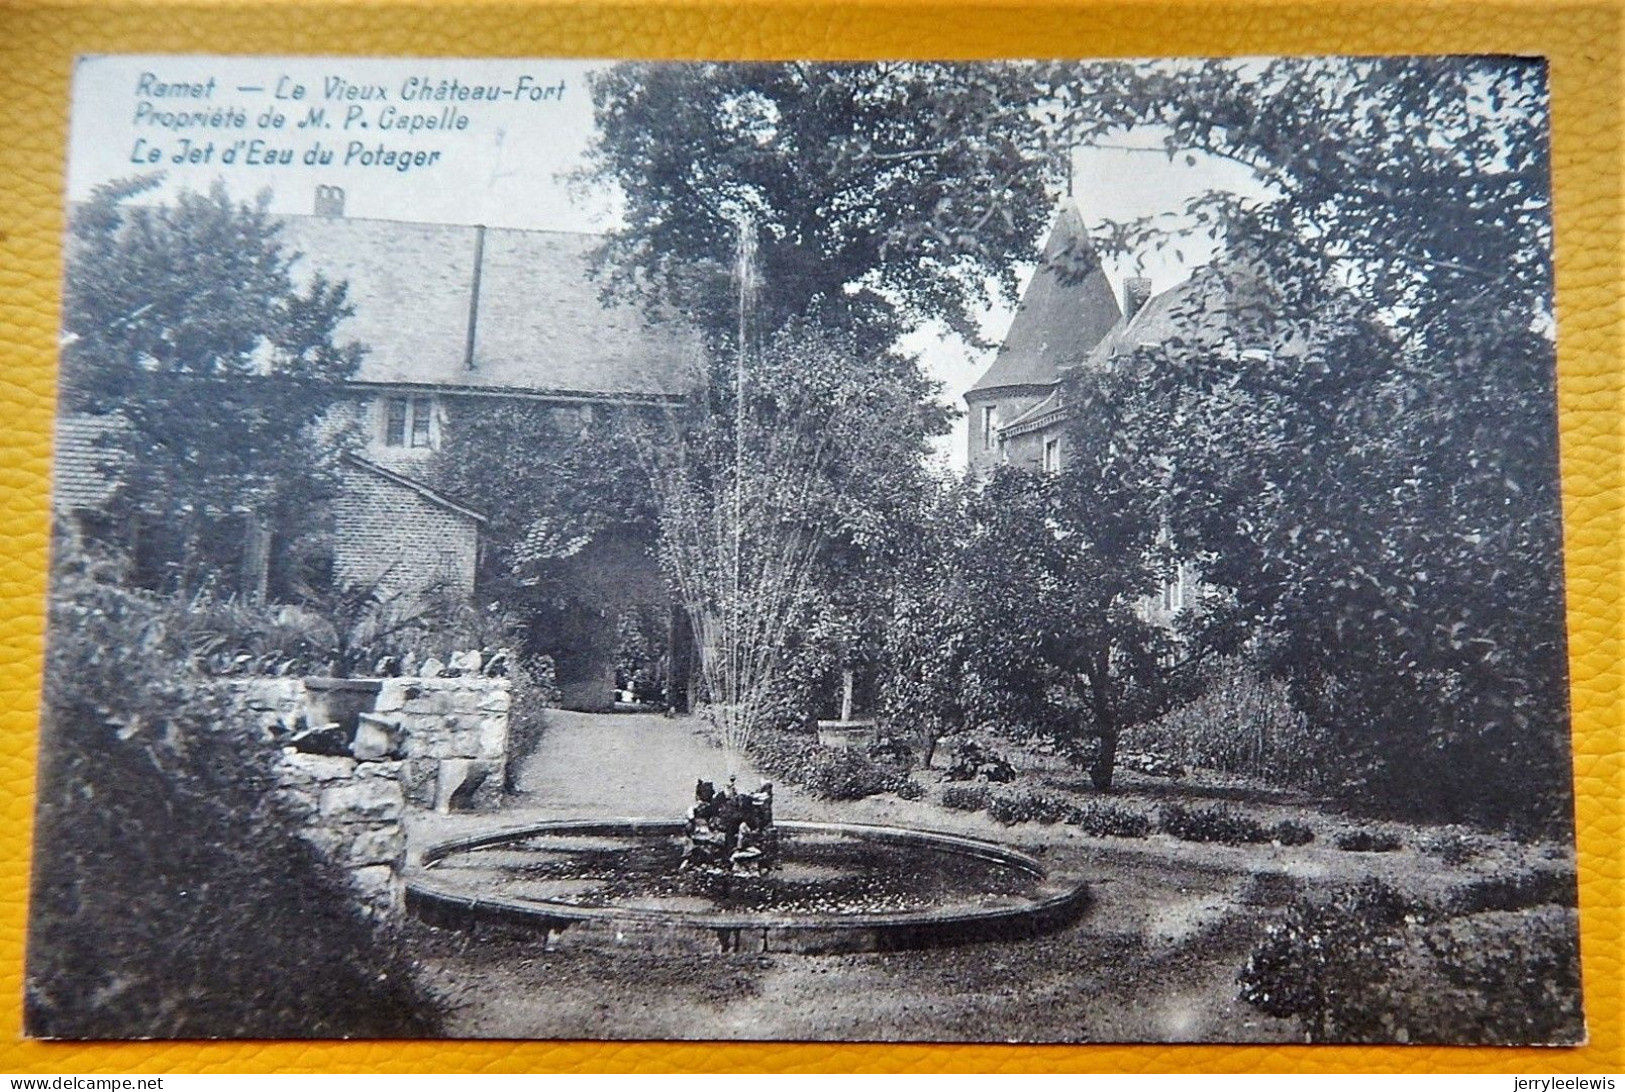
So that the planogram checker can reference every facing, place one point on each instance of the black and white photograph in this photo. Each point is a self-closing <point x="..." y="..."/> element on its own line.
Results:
<point x="1020" y="551"/>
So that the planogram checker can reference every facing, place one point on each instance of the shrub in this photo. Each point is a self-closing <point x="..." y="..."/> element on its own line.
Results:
<point x="359" y="630"/>
<point x="783" y="756"/>
<point x="894" y="752"/>
<point x="839" y="774"/>
<point x="1365" y="966"/>
<point x="1497" y="977"/>
<point x="1365" y="840"/>
<point x="1327" y="963"/>
<point x="966" y="797"/>
<point x="1454" y="848"/>
<point x="1519" y="891"/>
<point x="1023" y="807"/>
<point x="911" y="790"/>
<point x="182" y="902"/>
<point x="1241" y="723"/>
<point x="1102" y="820"/>
<point x="829" y="773"/>
<point x="1289" y="832"/>
<point x="974" y="762"/>
<point x="1211" y="824"/>
<point x="1153" y="765"/>
<point x="534" y="690"/>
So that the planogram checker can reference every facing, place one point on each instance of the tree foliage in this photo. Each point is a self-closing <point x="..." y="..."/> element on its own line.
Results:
<point x="184" y="320"/>
<point x="1364" y="459"/>
<point x="873" y="197"/>
<point x="549" y="480"/>
<point x="1377" y="479"/>
<point x="1076" y="557"/>
<point x="886" y="194"/>
<point x="773" y="510"/>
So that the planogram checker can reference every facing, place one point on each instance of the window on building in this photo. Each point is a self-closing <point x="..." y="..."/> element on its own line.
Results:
<point x="395" y="422"/>
<point x="406" y="421"/>
<point x="1173" y="591"/>
<point x="422" y="406"/>
<point x="989" y="426"/>
<point x="1052" y="456"/>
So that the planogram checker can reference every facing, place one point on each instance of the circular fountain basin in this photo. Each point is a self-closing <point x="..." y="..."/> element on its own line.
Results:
<point x="838" y="887"/>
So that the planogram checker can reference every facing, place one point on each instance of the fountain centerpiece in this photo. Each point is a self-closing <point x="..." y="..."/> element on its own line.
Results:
<point x="729" y="829"/>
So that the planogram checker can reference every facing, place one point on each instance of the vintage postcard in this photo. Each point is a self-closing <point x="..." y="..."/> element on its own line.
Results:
<point x="1003" y="551"/>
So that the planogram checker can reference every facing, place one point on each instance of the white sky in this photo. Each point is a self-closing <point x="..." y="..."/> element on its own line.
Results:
<point x="505" y="168"/>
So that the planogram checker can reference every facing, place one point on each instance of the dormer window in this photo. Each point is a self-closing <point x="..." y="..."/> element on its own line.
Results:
<point x="395" y="422"/>
<point x="407" y="422"/>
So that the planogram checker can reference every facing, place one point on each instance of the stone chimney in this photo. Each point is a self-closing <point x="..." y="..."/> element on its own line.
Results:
<point x="1136" y="290"/>
<point x="329" y="201"/>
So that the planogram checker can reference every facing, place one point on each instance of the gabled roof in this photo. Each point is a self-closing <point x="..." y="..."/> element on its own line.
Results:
<point x="431" y="495"/>
<point x="1067" y="308"/>
<point x="522" y="301"/>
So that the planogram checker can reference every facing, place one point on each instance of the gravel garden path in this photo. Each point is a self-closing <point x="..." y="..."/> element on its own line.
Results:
<point x="638" y="764"/>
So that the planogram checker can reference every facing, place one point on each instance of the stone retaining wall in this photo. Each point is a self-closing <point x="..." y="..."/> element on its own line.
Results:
<point x="353" y="815"/>
<point x="454" y="737"/>
<point x="436" y="742"/>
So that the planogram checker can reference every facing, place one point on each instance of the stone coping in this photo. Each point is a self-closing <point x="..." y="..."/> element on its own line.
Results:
<point x="358" y="683"/>
<point x="1058" y="902"/>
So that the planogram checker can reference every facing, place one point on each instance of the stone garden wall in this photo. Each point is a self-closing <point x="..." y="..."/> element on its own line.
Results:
<point x="353" y="814"/>
<point x="454" y="737"/>
<point x="357" y="752"/>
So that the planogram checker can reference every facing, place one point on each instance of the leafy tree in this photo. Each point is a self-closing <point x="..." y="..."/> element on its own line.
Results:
<point x="493" y="455"/>
<point x="1377" y="479"/>
<point x="185" y="322"/>
<point x="1056" y="571"/>
<point x="572" y="520"/>
<point x="924" y="666"/>
<point x="874" y="197"/>
<point x="886" y="194"/>
<point x="769" y="513"/>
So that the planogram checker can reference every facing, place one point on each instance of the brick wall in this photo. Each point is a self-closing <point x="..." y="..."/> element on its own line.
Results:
<point x="386" y="532"/>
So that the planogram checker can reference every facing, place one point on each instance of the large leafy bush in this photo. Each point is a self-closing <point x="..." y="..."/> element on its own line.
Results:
<point x="172" y="895"/>
<point x="1365" y="965"/>
<point x="829" y="773"/>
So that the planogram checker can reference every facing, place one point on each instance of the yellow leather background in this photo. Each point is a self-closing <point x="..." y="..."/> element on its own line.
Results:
<point x="38" y="43"/>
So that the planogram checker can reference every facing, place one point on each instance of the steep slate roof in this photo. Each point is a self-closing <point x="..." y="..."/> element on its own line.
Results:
<point x="1067" y="308"/>
<point x="1210" y="310"/>
<point x="539" y="325"/>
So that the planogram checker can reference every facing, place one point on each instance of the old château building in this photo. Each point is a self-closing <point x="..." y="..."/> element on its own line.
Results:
<point x="451" y="317"/>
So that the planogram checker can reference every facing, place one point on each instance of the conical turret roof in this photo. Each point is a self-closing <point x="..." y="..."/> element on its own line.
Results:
<point x="1067" y="308"/>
